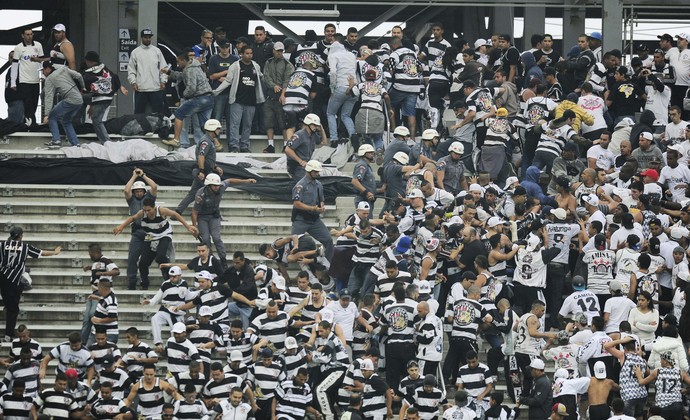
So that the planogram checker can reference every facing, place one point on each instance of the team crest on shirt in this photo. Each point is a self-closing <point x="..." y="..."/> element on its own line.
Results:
<point x="398" y="319"/>
<point x="499" y="125"/>
<point x="297" y="80"/>
<point x="492" y="291"/>
<point x="372" y="89"/>
<point x="484" y="102"/>
<point x="410" y="66"/>
<point x="463" y="313"/>
<point x="626" y="89"/>
<point x="305" y="57"/>
<point x="438" y="61"/>
<point x="647" y="285"/>
<point x="534" y="114"/>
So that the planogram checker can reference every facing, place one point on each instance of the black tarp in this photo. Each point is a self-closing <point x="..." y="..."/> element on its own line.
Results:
<point x="92" y="171"/>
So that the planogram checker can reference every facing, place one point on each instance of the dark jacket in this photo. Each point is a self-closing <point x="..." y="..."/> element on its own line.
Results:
<point x="539" y="400"/>
<point x="531" y="183"/>
<point x="646" y="123"/>
<point x="241" y="281"/>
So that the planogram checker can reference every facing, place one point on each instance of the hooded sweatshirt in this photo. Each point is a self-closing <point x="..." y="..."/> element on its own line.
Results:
<point x="532" y="70"/>
<point x="668" y="344"/>
<point x="65" y="82"/>
<point x="101" y="81"/>
<point x="531" y="183"/>
<point x="342" y="64"/>
<point x="620" y="132"/>
<point x="194" y="78"/>
<point x="646" y="123"/>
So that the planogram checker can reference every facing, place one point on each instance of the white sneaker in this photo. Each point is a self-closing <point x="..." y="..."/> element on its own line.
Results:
<point x="173" y="142"/>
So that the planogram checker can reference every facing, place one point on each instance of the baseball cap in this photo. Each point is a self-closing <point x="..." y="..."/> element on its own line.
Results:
<point x="107" y="360"/>
<point x="415" y="193"/>
<point x="560" y="409"/>
<point x="559" y="213"/>
<point x="429" y="379"/>
<point x="537" y="364"/>
<point x="279" y="282"/>
<point x="288" y="42"/>
<point x="203" y="274"/>
<point x="479" y="43"/>
<point x="205" y="311"/>
<point x="591" y="199"/>
<point x="175" y="271"/>
<point x="579" y="283"/>
<point x="236" y="356"/>
<point x="363" y="205"/>
<point x="683" y="35"/>
<point x="223" y="43"/>
<point x="642" y="47"/>
<point x="146" y="32"/>
<point x="494" y="221"/>
<point x="92" y="56"/>
<point x="278" y="46"/>
<point x="652" y="173"/>
<point x="475" y="187"/>
<point x="561" y="373"/>
<point x="665" y="37"/>
<point x="570" y="146"/>
<point x="366" y="364"/>
<point x="581" y="318"/>
<point x="596" y="35"/>
<point x="679" y="232"/>
<point x="179" y="328"/>
<point x="59" y="28"/>
<point x="345" y="294"/>
<point x="72" y="373"/>
<point x="677" y="148"/>
<point x="16" y="232"/>
<point x="266" y="353"/>
<point x="424" y="287"/>
<point x="600" y="370"/>
<point x="404" y="244"/>
<point x="290" y="343"/>
<point x="510" y="181"/>
<point x="647" y="135"/>
<point x="370" y="74"/>
<point x="615" y="286"/>
<point x="533" y="242"/>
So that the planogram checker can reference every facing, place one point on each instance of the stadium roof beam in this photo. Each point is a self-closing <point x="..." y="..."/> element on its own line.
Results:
<point x="272" y="21"/>
<point x="381" y="19"/>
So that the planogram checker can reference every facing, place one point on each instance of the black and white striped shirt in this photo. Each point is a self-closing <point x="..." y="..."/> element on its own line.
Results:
<point x="171" y="295"/>
<point x="292" y="400"/>
<point x="57" y="405"/>
<point x="474" y="380"/>
<point x="467" y="315"/>
<point x="99" y="353"/>
<point x="408" y="385"/>
<point x="299" y="86"/>
<point x="296" y="296"/>
<point x="215" y="298"/>
<point x="67" y="358"/>
<point x="333" y="356"/>
<point x="481" y="101"/>
<point x="384" y="284"/>
<point x="82" y="394"/>
<point x="399" y="317"/>
<point x="13" y="255"/>
<point x="156" y="228"/>
<point x="241" y="370"/>
<point x="206" y="333"/>
<point x="407" y="71"/>
<point x="150" y="401"/>
<point x="553" y="139"/>
<point x="119" y="380"/>
<point x="352" y="374"/>
<point x="310" y="52"/>
<point x="108" y="409"/>
<point x="434" y="49"/>
<point x="427" y="403"/>
<point x="103" y="264"/>
<point x="107" y="308"/>
<point x="367" y="250"/>
<point x="388" y="254"/>
<point x="221" y="389"/>
<point x="374" y="397"/>
<point x="184" y="378"/>
<point x="141" y="350"/>
<point x="180" y="354"/>
<point x="16" y="408"/>
<point x="195" y="410"/>
<point x="293" y="362"/>
<point x="17" y="346"/>
<point x="28" y="374"/>
<point x="265" y="379"/>
<point x="274" y="330"/>
<point x="244" y="345"/>
<point x="360" y="337"/>
<point x="371" y="95"/>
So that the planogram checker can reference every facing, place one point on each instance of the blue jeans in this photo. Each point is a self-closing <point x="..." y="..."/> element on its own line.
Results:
<point x="340" y="100"/>
<point x="243" y="313"/>
<point x="201" y="106"/>
<point x="99" y="109"/>
<point x="63" y="113"/>
<point x="221" y="108"/>
<point x="243" y="114"/>
<point x="136" y="244"/>
<point x="86" y="322"/>
<point x="184" y="134"/>
<point x="15" y="111"/>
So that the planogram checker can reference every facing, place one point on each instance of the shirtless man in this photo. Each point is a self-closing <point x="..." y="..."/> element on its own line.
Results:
<point x="598" y="392"/>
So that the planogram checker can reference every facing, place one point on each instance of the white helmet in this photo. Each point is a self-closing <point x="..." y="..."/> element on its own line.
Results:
<point x="429" y="134"/>
<point x="401" y="158"/>
<point x="401" y="131"/>
<point x="212" y="125"/>
<point x="364" y="149"/>
<point x="313" y="165"/>
<point x="139" y="185"/>
<point x="456" y="147"/>
<point x="212" y="179"/>
<point x="312" y="119"/>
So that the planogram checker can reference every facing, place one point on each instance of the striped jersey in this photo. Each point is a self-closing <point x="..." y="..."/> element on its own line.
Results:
<point x="184" y="379"/>
<point x="99" y="353"/>
<point x="293" y="362"/>
<point x="103" y="264"/>
<point x="141" y="350"/>
<point x="427" y="403"/>
<point x="384" y="284"/>
<point x="68" y="358"/>
<point x="370" y="94"/>
<point x="474" y="380"/>
<point x="467" y="314"/>
<point x="108" y="409"/>
<point x="57" y="405"/>
<point x="157" y="227"/>
<point x="399" y="318"/>
<point x="352" y="374"/>
<point x="241" y="370"/>
<point x="17" y="345"/>
<point x="151" y="400"/>
<point x="300" y="84"/>
<point x="206" y="333"/>
<point x="333" y="356"/>
<point x="360" y="336"/>
<point x="407" y="70"/>
<point x="221" y="389"/>
<point x="180" y="354"/>
<point x="296" y="296"/>
<point x="481" y="101"/>
<point x="82" y="394"/>
<point x="388" y="254"/>
<point x="553" y="139"/>
<point x="16" y="408"/>
<point x="499" y="132"/>
<point x="668" y="386"/>
<point x="171" y="295"/>
<point x="13" y="255"/>
<point x="538" y="108"/>
<point x="217" y="299"/>
<point x="107" y="308"/>
<point x="408" y="385"/>
<point x="292" y="400"/>
<point x="265" y="379"/>
<point x="274" y="330"/>
<point x="195" y="410"/>
<point x="367" y="248"/>
<point x="310" y="52"/>
<point x="430" y="338"/>
<point x="343" y="241"/>
<point x="119" y="378"/>
<point x="374" y="397"/>
<point x="433" y="49"/>
<point x="362" y="67"/>
<point x="28" y="374"/>
<point x="244" y="344"/>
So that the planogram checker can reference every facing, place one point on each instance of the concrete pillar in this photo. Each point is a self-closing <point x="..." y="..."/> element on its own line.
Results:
<point x="535" y="23"/>
<point x="148" y="17"/>
<point x="502" y="21"/>
<point x="75" y="31"/>
<point x="612" y="24"/>
<point x="573" y="25"/>
<point x="472" y="21"/>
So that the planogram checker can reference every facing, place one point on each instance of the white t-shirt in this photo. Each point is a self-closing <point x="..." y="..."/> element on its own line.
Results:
<point x="657" y="102"/>
<point x="626" y="265"/>
<point x="618" y="308"/>
<point x="675" y="133"/>
<point x="604" y="157"/>
<point x="599" y="270"/>
<point x="674" y="176"/>
<point x="621" y="417"/>
<point x="583" y="301"/>
<point x="596" y="107"/>
<point x="344" y="316"/>
<point x="598" y="215"/>
<point x="682" y="68"/>
<point x="621" y="235"/>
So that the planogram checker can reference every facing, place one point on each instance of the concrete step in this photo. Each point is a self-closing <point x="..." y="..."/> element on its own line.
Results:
<point x="125" y="298"/>
<point x="50" y="191"/>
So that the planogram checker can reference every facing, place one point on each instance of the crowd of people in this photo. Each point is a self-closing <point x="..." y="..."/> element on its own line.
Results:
<point x="550" y="222"/>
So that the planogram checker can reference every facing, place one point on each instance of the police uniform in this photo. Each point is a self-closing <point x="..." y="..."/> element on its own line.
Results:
<point x="365" y="175"/>
<point x="310" y="192"/>
<point x="302" y="143"/>
<point x="206" y="148"/>
<point x="207" y="206"/>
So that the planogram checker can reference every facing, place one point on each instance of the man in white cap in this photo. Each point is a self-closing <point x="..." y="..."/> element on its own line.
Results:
<point x="598" y="393"/>
<point x="647" y="152"/>
<point x="308" y="205"/>
<point x="450" y="170"/>
<point x="300" y="146"/>
<point x="180" y="351"/>
<point x="62" y="53"/>
<point x="173" y="292"/>
<point x="277" y="71"/>
<point x="363" y="177"/>
<point x="480" y="50"/>
<point x="377" y="397"/>
<point x="540" y="396"/>
<point x="591" y="203"/>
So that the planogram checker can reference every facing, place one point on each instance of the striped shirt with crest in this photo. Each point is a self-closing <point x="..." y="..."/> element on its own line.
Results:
<point x="99" y="353"/>
<point x="292" y="400"/>
<point x="215" y="298"/>
<point x="427" y="403"/>
<point x="467" y="315"/>
<point x="107" y="308"/>
<point x="274" y="330"/>
<point x="156" y="228"/>
<point x="67" y="358"/>
<point x="141" y="350"/>
<point x="195" y="410"/>
<point x="206" y="333"/>
<point x="119" y="379"/>
<point x="265" y="379"/>
<point x="399" y="318"/>
<point x="108" y="409"/>
<point x="27" y="374"/>
<point x="180" y="354"/>
<point x="17" y="346"/>
<point x="57" y="405"/>
<point x="221" y="389"/>
<point x="16" y="408"/>
<point x="384" y="284"/>
<point x="171" y="295"/>
<point x="374" y="397"/>
<point x="474" y="380"/>
<point x="293" y="362"/>
<point x="244" y="345"/>
<point x="367" y="250"/>
<point x="151" y="400"/>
